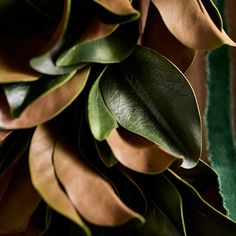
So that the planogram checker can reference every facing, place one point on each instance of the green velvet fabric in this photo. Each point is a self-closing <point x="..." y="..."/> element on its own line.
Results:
<point x="219" y="122"/>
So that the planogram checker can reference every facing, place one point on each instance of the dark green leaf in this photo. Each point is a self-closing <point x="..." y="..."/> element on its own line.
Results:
<point x="200" y="217"/>
<point x="112" y="48"/>
<point x="20" y="95"/>
<point x="101" y="120"/>
<point x="149" y="96"/>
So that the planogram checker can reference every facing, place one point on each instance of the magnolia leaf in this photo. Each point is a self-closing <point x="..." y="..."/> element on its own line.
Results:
<point x="46" y="107"/>
<point x="111" y="45"/>
<point x="135" y="199"/>
<point x="200" y="217"/>
<point x="205" y="180"/>
<point x="91" y="195"/>
<point x="119" y="11"/>
<point x="21" y="95"/>
<point x="164" y="195"/>
<point x="13" y="149"/>
<point x="139" y="154"/>
<point x="44" y="63"/>
<point x="18" y="203"/>
<point x="105" y="153"/>
<point x="101" y="120"/>
<point x="149" y="96"/>
<point x="43" y="175"/>
<point x="158" y="37"/>
<point x="196" y="29"/>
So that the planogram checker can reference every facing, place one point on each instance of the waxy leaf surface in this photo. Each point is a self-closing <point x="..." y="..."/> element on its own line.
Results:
<point x="91" y="195"/>
<point x="190" y="23"/>
<point x="101" y="120"/>
<point x="115" y="45"/>
<point x="149" y="96"/>
<point x="44" y="178"/>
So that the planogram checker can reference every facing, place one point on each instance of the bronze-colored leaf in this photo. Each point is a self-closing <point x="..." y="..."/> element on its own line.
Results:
<point x="140" y="154"/>
<point x="92" y="195"/>
<point x="43" y="175"/>
<point x="46" y="107"/>
<point x="190" y="23"/>
<point x="18" y="203"/>
<point x="158" y="37"/>
<point x="4" y="135"/>
<point x="119" y="7"/>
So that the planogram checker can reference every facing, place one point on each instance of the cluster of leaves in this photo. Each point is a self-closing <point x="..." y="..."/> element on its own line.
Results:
<point x="100" y="129"/>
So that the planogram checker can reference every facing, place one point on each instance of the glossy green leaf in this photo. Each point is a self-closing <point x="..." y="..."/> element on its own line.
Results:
<point x="18" y="203"/>
<point x="44" y="178"/>
<point x="116" y="12"/>
<point x="196" y="29"/>
<point x="46" y="107"/>
<point x="44" y="63"/>
<point x="200" y="217"/>
<point x="13" y="149"/>
<point x="101" y="120"/>
<point x="91" y="195"/>
<point x="21" y="95"/>
<point x="111" y="48"/>
<point x="149" y="96"/>
<point x="139" y="154"/>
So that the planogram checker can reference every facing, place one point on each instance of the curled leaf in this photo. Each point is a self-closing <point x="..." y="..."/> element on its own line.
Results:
<point x="190" y="23"/>
<point x="119" y="11"/>
<point x="140" y="154"/>
<point x="21" y="95"/>
<point x="103" y="44"/>
<point x="46" y="107"/>
<point x="101" y="120"/>
<point x="91" y="195"/>
<point x="43" y="175"/>
<point x="44" y="63"/>
<point x="157" y="36"/>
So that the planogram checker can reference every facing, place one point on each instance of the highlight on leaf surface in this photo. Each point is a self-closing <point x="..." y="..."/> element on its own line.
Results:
<point x="190" y="23"/>
<point x="119" y="11"/>
<point x="46" y="107"/>
<point x="44" y="178"/>
<point x="149" y="96"/>
<point x="103" y="44"/>
<point x="91" y="195"/>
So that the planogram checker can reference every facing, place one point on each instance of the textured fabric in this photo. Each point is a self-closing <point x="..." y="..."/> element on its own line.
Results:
<point x="220" y="135"/>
